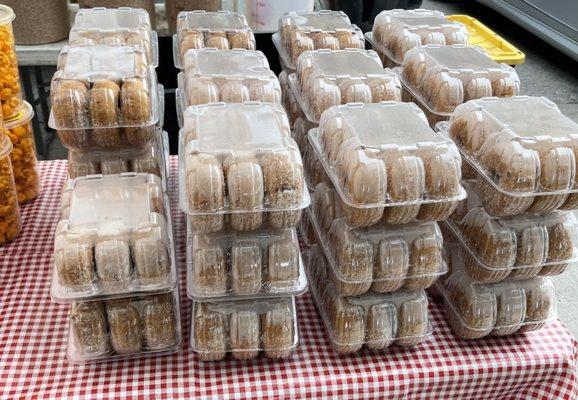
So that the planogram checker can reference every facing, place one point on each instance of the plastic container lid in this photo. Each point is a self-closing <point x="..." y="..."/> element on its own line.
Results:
<point x="115" y="26"/>
<point x="443" y="77"/>
<point x="385" y="155"/>
<point x="521" y="148"/>
<point x="114" y="239"/>
<point x="235" y="265"/>
<point x="233" y="76"/>
<point x="112" y="18"/>
<point x="244" y="328"/>
<point x="373" y="320"/>
<point x="6" y="15"/>
<point x="475" y="310"/>
<point x="397" y="31"/>
<point x="239" y="159"/>
<point x="327" y="78"/>
<point x="382" y="258"/>
<point x="128" y="328"/>
<point x="24" y="116"/>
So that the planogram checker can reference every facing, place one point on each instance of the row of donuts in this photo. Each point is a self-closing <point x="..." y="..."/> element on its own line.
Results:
<point x="19" y="177"/>
<point x="114" y="253"/>
<point x="242" y="194"/>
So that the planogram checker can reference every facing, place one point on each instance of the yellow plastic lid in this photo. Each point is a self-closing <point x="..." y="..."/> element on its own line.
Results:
<point x="23" y="116"/>
<point x="497" y="48"/>
<point x="6" y="15"/>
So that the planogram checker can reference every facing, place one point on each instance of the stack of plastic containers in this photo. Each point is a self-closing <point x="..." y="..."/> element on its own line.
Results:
<point x="17" y="116"/>
<point x="395" y="32"/>
<point x="439" y="78"/>
<point x="515" y="229"/>
<point x="114" y="257"/>
<point x="242" y="188"/>
<point x="114" y="261"/>
<point x="392" y="177"/>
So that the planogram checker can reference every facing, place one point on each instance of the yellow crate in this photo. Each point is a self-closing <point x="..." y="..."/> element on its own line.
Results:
<point x="480" y="35"/>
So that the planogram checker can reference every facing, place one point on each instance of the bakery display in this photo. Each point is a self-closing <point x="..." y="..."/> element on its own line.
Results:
<point x="301" y="31"/>
<point x="248" y="180"/>
<point x="244" y="328"/>
<point x="10" y="95"/>
<point x="104" y="97"/>
<point x="151" y="159"/>
<point x="522" y="151"/>
<point x="383" y="258"/>
<point x="23" y="156"/>
<point x="517" y="247"/>
<point x="115" y="26"/>
<point x="475" y="310"/>
<point x="439" y="78"/>
<point x="136" y="326"/>
<point x="223" y="30"/>
<point x="327" y="78"/>
<point x="387" y="164"/>
<point x="376" y="321"/>
<point x="395" y="32"/>
<point x="10" y="222"/>
<point x="234" y="76"/>
<point x="233" y="264"/>
<point x="115" y="238"/>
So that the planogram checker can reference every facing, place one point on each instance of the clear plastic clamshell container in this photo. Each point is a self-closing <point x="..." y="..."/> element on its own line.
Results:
<point x="523" y="152"/>
<point x="239" y="167"/>
<point x="475" y="310"/>
<point x="328" y="78"/>
<point x="244" y="328"/>
<point x="232" y="265"/>
<point x="114" y="240"/>
<point x="104" y="97"/>
<point x="397" y="31"/>
<point x="234" y="76"/>
<point x="518" y="247"/>
<point x="301" y="31"/>
<point x="152" y="159"/>
<point x="387" y="163"/>
<point x="224" y="30"/>
<point x="115" y="26"/>
<point x="383" y="258"/>
<point x="124" y="328"/>
<point x="374" y="320"/>
<point x="439" y="78"/>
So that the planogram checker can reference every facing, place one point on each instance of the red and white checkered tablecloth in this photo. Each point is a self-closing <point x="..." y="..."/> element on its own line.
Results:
<point x="33" y="332"/>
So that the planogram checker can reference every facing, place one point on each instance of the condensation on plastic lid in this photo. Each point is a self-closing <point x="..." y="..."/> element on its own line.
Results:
<point x="23" y="116"/>
<point x="6" y="15"/>
<point x="5" y="145"/>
